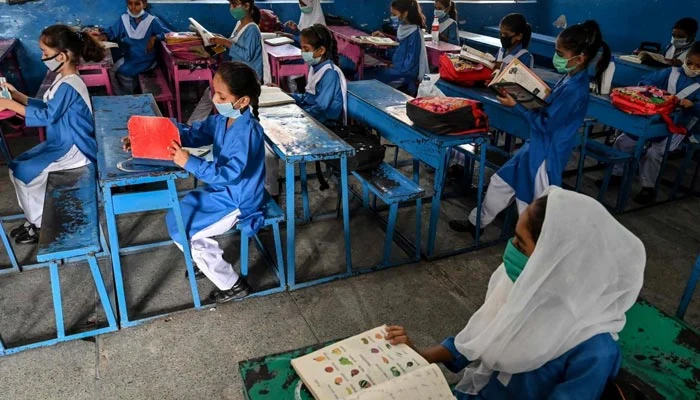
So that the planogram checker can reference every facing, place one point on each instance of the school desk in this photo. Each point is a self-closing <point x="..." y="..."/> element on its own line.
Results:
<point x="96" y="74"/>
<point x="179" y="71"/>
<point x="280" y="58"/>
<point x="297" y="138"/>
<point x="481" y="42"/>
<point x="436" y="50"/>
<point x="384" y="108"/>
<point x="353" y="49"/>
<point x="630" y="74"/>
<point x="9" y="58"/>
<point x="111" y="116"/>
<point x="541" y="45"/>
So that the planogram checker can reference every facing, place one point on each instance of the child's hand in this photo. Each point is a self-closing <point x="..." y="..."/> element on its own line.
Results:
<point x="220" y="41"/>
<point x="179" y="155"/>
<point x="126" y="144"/>
<point x="151" y="44"/>
<point x="291" y="25"/>
<point x="507" y="100"/>
<point x="397" y="335"/>
<point x="685" y="103"/>
<point x="378" y="34"/>
<point x="9" y="87"/>
<point x="5" y="104"/>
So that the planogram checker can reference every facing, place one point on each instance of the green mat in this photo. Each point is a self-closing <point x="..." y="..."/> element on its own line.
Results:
<point x="661" y="358"/>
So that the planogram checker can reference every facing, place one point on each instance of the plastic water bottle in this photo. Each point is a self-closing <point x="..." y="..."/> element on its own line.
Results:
<point x="436" y="30"/>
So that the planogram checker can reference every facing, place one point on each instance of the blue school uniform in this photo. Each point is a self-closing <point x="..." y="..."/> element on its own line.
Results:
<point x="581" y="373"/>
<point x="405" y="59"/>
<point x="327" y="103"/>
<point x="68" y="120"/>
<point x="552" y="137"/>
<point x="517" y="52"/>
<point x="134" y="37"/>
<point x="675" y="81"/>
<point x="235" y="179"/>
<point x="449" y="28"/>
<point x="248" y="48"/>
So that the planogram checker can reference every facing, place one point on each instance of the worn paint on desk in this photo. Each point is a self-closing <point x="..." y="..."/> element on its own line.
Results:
<point x="298" y="137"/>
<point x="70" y="217"/>
<point x="392" y="184"/>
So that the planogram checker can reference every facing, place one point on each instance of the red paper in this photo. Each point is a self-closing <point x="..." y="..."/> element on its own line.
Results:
<point x="151" y="136"/>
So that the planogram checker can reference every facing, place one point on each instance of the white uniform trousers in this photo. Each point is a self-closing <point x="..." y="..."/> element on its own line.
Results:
<point x="650" y="163"/>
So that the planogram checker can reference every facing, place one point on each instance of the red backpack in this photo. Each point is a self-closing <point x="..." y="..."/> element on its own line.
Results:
<point x="448" y="115"/>
<point x="648" y="100"/>
<point x="462" y="72"/>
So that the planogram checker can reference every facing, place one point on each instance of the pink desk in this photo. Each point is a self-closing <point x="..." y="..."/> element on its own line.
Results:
<point x="280" y="57"/>
<point x="350" y="47"/>
<point x="435" y="50"/>
<point x="96" y="74"/>
<point x="8" y="53"/>
<point x="179" y="70"/>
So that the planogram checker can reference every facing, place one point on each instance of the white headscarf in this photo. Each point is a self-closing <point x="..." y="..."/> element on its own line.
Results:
<point x="585" y="273"/>
<point x="315" y="17"/>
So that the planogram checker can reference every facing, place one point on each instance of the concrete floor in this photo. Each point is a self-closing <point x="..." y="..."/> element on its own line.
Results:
<point x="195" y="354"/>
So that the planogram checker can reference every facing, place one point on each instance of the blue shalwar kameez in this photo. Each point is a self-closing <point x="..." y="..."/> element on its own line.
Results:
<point x="449" y="29"/>
<point x="326" y="94"/>
<point x="517" y="52"/>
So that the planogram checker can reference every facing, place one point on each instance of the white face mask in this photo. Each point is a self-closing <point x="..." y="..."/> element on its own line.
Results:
<point x="678" y="42"/>
<point x="52" y="64"/>
<point x="692" y="73"/>
<point x="139" y="15"/>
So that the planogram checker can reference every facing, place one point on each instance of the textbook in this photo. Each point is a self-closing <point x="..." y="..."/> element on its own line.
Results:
<point x="368" y="367"/>
<point x="278" y="41"/>
<point x="471" y="54"/>
<point x="376" y="40"/>
<point x="648" y="58"/>
<point x="4" y="91"/>
<point x="273" y="96"/>
<point x="207" y="36"/>
<point x="522" y="84"/>
<point x="150" y="138"/>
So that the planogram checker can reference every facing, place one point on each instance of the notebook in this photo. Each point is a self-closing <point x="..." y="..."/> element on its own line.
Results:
<point x="474" y="55"/>
<point x="522" y="84"/>
<point x="648" y="58"/>
<point x="278" y="41"/>
<point x="4" y="91"/>
<point x="376" y="40"/>
<point x="273" y="96"/>
<point x="367" y="367"/>
<point x="150" y="138"/>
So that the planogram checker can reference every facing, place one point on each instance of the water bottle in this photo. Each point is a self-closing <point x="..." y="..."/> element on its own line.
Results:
<point x="436" y="30"/>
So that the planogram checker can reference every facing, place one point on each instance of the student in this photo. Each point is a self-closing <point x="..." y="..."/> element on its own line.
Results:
<point x="409" y="62"/>
<point x="311" y="14"/>
<point x="234" y="193"/>
<point x="326" y="91"/>
<point x="541" y="161"/>
<point x="138" y="31"/>
<point x="549" y="324"/>
<point x="684" y="82"/>
<point x="446" y="11"/>
<point x="65" y="112"/>
<point x="515" y="38"/>
<point x="682" y="38"/>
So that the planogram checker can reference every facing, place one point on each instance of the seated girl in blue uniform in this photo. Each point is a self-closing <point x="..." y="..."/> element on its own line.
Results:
<point x="515" y="37"/>
<point x="409" y="62"/>
<point x="66" y="114"/>
<point x="235" y="192"/>
<point x="684" y="82"/>
<point x="682" y="38"/>
<point x="540" y="162"/>
<point x="326" y="90"/>
<point x="137" y="30"/>
<point x="446" y="11"/>
<point x="549" y="324"/>
<point x="311" y="14"/>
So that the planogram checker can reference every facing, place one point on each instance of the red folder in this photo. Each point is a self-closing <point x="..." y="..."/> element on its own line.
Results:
<point x="150" y="138"/>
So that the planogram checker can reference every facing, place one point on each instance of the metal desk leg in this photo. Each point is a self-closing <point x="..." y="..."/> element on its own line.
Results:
<point x="346" y="210"/>
<point x="419" y="209"/>
<point x="291" y="223"/>
<point x="123" y="313"/>
<point x="638" y="151"/>
<point x="480" y="189"/>
<point x="304" y="192"/>
<point x="435" y="207"/>
<point x="184" y="242"/>
<point x="57" y="304"/>
<point x="102" y="291"/>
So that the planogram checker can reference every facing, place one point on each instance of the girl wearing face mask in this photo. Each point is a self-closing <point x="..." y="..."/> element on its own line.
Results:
<point x="540" y="162"/>
<point x="682" y="38"/>
<point x="409" y="62"/>
<point x="235" y="192"/>
<point x="549" y="324"/>
<point x="515" y="37"/>
<point x="311" y="14"/>
<point x="684" y="82"/>
<point x="137" y="30"/>
<point x="66" y="114"/>
<point x="446" y="11"/>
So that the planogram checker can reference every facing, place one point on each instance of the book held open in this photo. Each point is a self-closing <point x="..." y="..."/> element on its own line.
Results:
<point x="648" y="58"/>
<point x="522" y="84"/>
<point x="471" y="54"/>
<point x="209" y="46"/>
<point x="376" y="40"/>
<point x="273" y="96"/>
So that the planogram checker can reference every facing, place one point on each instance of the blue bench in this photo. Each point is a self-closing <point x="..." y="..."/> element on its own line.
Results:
<point x="692" y="147"/>
<point x="689" y="289"/>
<point x="391" y="187"/>
<point x="70" y="229"/>
<point x="611" y="157"/>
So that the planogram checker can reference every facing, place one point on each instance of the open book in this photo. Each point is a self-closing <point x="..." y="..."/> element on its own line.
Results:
<point x="647" y="57"/>
<point x="207" y="36"/>
<point x="4" y="91"/>
<point x="377" y="40"/>
<point x="474" y="55"/>
<point x="367" y="367"/>
<point x="274" y="96"/>
<point x="278" y="41"/>
<point x="522" y="84"/>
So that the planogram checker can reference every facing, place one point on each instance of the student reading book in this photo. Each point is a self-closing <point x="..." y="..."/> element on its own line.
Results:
<point x="368" y="367"/>
<point x="211" y="47"/>
<point x="521" y="83"/>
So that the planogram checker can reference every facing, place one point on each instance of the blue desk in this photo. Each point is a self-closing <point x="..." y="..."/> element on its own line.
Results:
<point x="111" y="117"/>
<point x="481" y="42"/>
<point x="297" y="139"/>
<point x="630" y="74"/>
<point x="384" y="108"/>
<point x="540" y="45"/>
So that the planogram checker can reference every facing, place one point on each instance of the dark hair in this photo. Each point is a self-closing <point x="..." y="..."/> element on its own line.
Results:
<point x="536" y="220"/>
<point x="145" y="3"/>
<point x="585" y="38"/>
<point x="415" y="15"/>
<point x="241" y="81"/>
<point x="77" y="44"/>
<point x="451" y="8"/>
<point x="318" y="35"/>
<point x="517" y="24"/>
<point x="694" y="49"/>
<point x="254" y="10"/>
<point x="687" y="25"/>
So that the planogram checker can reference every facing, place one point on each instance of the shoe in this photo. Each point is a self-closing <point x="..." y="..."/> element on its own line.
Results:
<point x="237" y="292"/>
<point x="645" y="196"/>
<point x="615" y="180"/>
<point x="463" y="226"/>
<point x="198" y="274"/>
<point x="19" y="230"/>
<point x="30" y="236"/>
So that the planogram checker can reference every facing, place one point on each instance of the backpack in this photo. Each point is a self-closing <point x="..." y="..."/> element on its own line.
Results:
<point x="648" y="100"/>
<point x="462" y="72"/>
<point x="448" y="115"/>
<point x="269" y="22"/>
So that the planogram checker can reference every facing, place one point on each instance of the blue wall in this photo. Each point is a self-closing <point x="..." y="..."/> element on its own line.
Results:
<point x="625" y="23"/>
